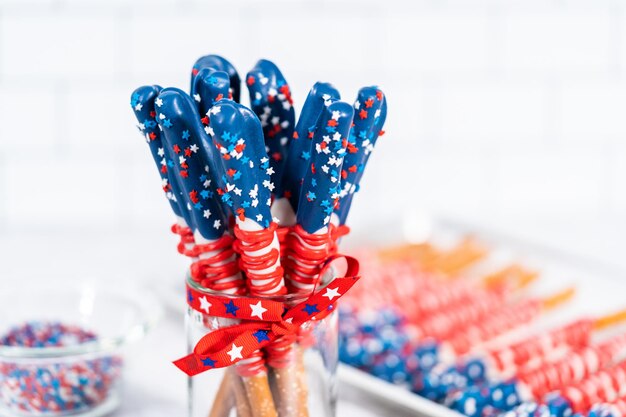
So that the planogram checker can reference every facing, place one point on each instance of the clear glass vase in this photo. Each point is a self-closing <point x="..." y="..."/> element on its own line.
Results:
<point x="293" y="377"/>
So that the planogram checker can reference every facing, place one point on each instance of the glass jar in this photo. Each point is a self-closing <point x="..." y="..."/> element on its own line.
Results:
<point x="297" y="375"/>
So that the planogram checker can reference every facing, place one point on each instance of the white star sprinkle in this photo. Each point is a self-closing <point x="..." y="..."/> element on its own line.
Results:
<point x="215" y="110"/>
<point x="138" y="107"/>
<point x="197" y="97"/>
<point x="206" y="214"/>
<point x="158" y="102"/>
<point x="217" y="224"/>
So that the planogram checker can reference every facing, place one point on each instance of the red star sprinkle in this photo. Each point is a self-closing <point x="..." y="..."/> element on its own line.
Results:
<point x="250" y="80"/>
<point x="379" y="95"/>
<point x="184" y="174"/>
<point x="363" y="114"/>
<point x="241" y="214"/>
<point x="231" y="172"/>
<point x="276" y="156"/>
<point x="193" y="195"/>
<point x="176" y="149"/>
<point x="332" y="123"/>
<point x="152" y="136"/>
<point x="187" y="152"/>
<point x="369" y="103"/>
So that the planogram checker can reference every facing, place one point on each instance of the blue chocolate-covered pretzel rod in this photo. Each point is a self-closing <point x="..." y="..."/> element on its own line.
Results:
<point x="195" y="165"/>
<point x="322" y="177"/>
<point x="299" y="152"/>
<point x="370" y="112"/>
<point x="210" y="86"/>
<point x="270" y="99"/>
<point x="218" y="63"/>
<point x="246" y="187"/>
<point x="143" y="103"/>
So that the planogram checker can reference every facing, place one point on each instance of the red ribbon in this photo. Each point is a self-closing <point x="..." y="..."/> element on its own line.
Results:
<point x="264" y="321"/>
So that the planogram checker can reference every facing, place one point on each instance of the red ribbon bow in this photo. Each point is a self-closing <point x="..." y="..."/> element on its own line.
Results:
<point x="264" y="321"/>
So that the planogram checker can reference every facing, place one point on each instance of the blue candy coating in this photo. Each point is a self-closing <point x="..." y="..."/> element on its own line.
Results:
<point x="270" y="99"/>
<point x="210" y="86"/>
<point x="504" y="395"/>
<point x="299" y="150"/>
<point x="472" y="401"/>
<point x="370" y="112"/>
<point x="558" y="405"/>
<point x="321" y="184"/>
<point x="245" y="183"/>
<point x="218" y="63"/>
<point x="196" y="160"/>
<point x="142" y="102"/>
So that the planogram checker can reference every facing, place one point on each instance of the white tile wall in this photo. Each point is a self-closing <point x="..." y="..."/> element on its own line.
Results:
<point x="497" y="107"/>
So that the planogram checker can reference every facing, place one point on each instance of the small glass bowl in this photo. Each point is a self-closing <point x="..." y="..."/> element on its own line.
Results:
<point x="81" y="379"/>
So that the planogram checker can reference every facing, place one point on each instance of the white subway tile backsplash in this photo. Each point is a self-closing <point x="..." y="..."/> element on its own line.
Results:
<point x="100" y="116"/>
<point x="556" y="41"/>
<point x="28" y="117"/>
<point x="494" y="106"/>
<point x="550" y="180"/>
<point x="74" y="190"/>
<point x="57" y="45"/>
<point x="436" y="41"/>
<point x="165" y="45"/>
<point x="593" y="111"/>
<point x="493" y="112"/>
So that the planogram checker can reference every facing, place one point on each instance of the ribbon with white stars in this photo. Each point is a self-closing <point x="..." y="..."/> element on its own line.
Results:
<point x="262" y="322"/>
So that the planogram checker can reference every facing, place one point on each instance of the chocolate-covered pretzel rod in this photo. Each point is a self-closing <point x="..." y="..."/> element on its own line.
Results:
<point x="142" y="102"/>
<point x="245" y="187"/>
<point x="370" y="112"/>
<point x="217" y="63"/>
<point x="270" y="99"/>
<point x="310" y="241"/>
<point x="299" y="152"/>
